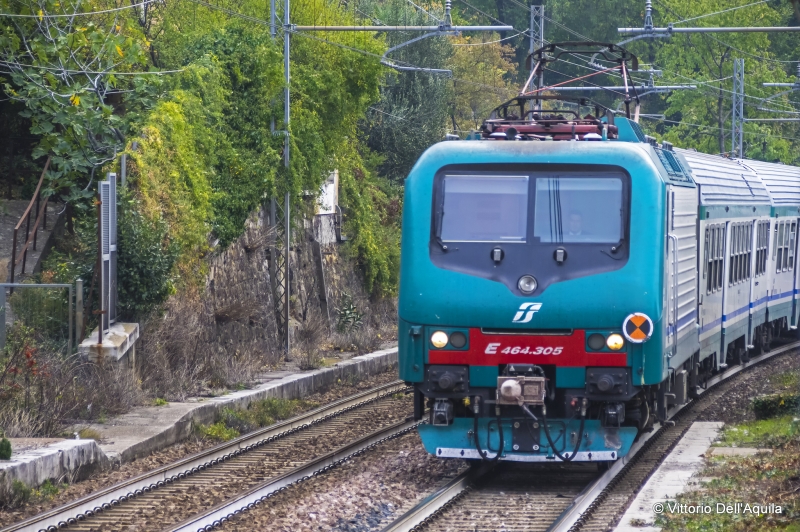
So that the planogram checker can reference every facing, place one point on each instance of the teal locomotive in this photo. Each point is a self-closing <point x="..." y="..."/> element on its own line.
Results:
<point x="565" y="279"/>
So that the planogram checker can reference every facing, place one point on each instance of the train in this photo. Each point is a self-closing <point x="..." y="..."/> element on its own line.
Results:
<point x="566" y="279"/>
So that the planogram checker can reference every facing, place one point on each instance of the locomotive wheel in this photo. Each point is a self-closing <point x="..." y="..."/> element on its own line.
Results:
<point x="604" y="466"/>
<point x="745" y="355"/>
<point x="693" y="381"/>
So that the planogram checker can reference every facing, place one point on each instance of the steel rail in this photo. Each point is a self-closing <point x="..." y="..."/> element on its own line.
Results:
<point x="431" y="504"/>
<point x="94" y="503"/>
<point x="570" y="519"/>
<point x="223" y="512"/>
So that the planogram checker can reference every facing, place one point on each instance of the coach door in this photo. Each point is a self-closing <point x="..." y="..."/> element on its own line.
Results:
<point x="726" y="269"/>
<point x="792" y="259"/>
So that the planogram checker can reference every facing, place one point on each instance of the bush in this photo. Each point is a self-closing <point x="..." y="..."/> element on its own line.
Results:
<point x="40" y="389"/>
<point x="146" y="260"/>
<point x="781" y="404"/>
<point x="348" y="317"/>
<point x="20" y="494"/>
<point x="5" y="449"/>
<point x="43" y="310"/>
<point x="48" y="490"/>
<point x="309" y="337"/>
<point x="89" y="434"/>
<point x="264" y="413"/>
<point x="218" y="431"/>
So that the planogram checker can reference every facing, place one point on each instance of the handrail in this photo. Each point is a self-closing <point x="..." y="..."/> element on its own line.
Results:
<point x="42" y="216"/>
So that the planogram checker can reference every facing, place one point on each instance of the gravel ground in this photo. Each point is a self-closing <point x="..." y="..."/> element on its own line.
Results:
<point x="737" y="404"/>
<point x="361" y="495"/>
<point x="170" y="454"/>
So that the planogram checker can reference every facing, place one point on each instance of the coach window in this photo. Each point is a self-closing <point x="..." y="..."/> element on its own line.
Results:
<point x="786" y="246"/>
<point x="705" y="254"/>
<point x="775" y="242"/>
<point x="791" y="245"/>
<point x="749" y="242"/>
<point x="732" y="267"/>
<point x="720" y="256"/>
<point x="762" y="248"/>
<point x="779" y="246"/>
<point x="736" y="254"/>
<point x="739" y="253"/>
<point x="708" y="268"/>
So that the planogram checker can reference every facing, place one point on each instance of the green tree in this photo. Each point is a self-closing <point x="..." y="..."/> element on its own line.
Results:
<point x="70" y="69"/>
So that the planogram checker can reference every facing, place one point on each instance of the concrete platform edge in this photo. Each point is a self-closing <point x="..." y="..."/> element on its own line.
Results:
<point x="76" y="459"/>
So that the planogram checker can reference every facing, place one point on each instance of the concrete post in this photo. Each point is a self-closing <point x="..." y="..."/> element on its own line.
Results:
<point x="78" y="311"/>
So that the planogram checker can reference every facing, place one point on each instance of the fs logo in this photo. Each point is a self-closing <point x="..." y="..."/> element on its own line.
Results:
<point x="526" y="312"/>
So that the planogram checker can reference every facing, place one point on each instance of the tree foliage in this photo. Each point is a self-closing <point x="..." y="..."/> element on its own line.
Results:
<point x="70" y="68"/>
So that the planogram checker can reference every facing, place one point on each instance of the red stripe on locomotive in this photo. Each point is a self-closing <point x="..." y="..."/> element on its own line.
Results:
<point x="558" y="350"/>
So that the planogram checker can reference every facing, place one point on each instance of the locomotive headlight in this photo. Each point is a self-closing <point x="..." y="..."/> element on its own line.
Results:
<point x="526" y="284"/>
<point x="439" y="339"/>
<point x="615" y="342"/>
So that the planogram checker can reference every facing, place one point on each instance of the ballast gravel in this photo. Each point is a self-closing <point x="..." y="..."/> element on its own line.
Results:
<point x="360" y="495"/>
<point x="166" y="456"/>
<point x="737" y="405"/>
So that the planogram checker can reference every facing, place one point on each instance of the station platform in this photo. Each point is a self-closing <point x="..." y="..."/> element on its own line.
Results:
<point x="145" y="430"/>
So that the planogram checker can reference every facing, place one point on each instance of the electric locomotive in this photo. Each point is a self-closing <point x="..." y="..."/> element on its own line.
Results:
<point x="565" y="279"/>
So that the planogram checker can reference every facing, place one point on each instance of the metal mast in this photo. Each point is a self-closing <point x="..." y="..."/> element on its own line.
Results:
<point x="537" y="28"/>
<point x="737" y="117"/>
<point x="280" y="215"/>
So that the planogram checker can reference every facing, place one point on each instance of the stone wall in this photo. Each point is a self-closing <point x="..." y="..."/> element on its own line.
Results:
<point x="228" y="330"/>
<point x="238" y="298"/>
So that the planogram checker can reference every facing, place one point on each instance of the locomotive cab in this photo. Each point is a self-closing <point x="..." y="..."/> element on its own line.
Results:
<point x="527" y="300"/>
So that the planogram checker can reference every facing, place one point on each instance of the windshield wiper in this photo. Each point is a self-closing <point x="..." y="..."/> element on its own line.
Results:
<point x="614" y="250"/>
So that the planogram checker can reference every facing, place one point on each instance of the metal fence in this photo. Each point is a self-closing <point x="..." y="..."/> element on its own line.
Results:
<point x="51" y="310"/>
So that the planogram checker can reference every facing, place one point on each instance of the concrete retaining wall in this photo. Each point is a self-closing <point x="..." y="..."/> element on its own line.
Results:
<point x="149" y="429"/>
<point x="64" y="461"/>
<point x="291" y="387"/>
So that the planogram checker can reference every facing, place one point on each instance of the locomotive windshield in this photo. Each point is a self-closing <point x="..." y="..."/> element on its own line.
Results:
<point x="485" y="209"/>
<point x="578" y="209"/>
<point x="565" y="208"/>
<point x="556" y="222"/>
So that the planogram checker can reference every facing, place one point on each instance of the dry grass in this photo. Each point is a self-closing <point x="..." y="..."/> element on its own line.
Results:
<point x="178" y="361"/>
<point x="309" y="337"/>
<point x="61" y="391"/>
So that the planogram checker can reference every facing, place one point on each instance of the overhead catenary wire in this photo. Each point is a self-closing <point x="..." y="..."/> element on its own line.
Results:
<point x="488" y="42"/>
<point x="761" y="58"/>
<point x="71" y="71"/>
<point x="77" y="13"/>
<point x="751" y="133"/>
<point x="720" y="12"/>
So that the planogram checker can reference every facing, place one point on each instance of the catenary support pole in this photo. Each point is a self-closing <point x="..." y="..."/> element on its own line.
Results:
<point x="78" y="311"/>
<point x="737" y="116"/>
<point x="537" y="30"/>
<point x="287" y="200"/>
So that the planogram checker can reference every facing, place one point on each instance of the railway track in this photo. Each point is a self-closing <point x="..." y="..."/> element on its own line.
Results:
<point x="561" y="497"/>
<point x="174" y="496"/>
